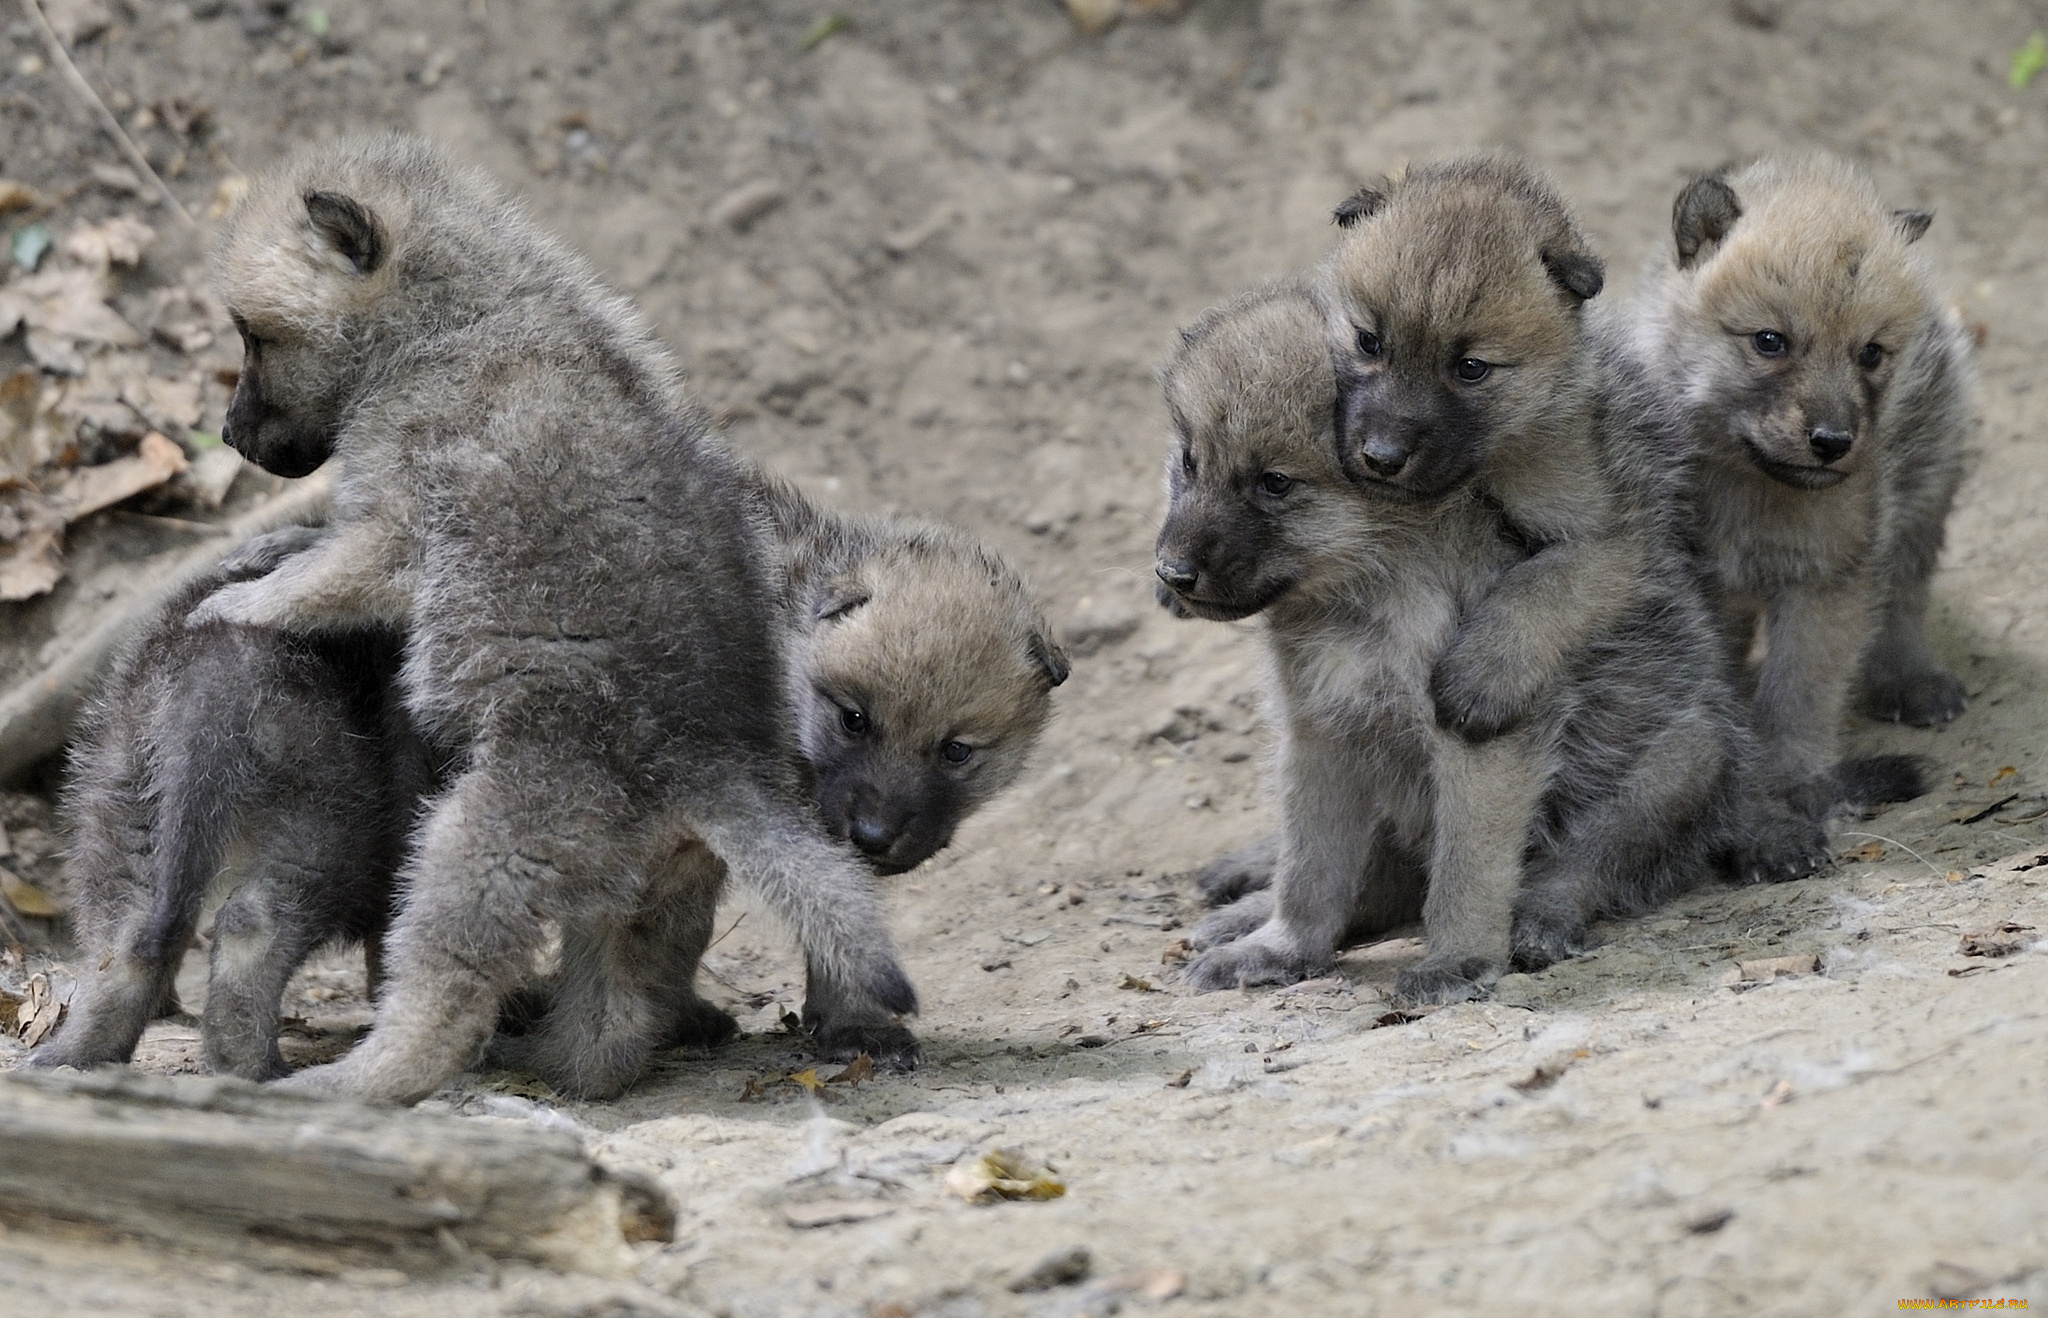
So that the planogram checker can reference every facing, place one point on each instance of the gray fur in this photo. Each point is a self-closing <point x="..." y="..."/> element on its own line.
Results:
<point x="285" y="760"/>
<point x="587" y="601"/>
<point x="1824" y="479"/>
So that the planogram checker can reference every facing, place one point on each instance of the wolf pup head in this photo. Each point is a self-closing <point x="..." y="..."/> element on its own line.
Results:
<point x="1791" y="299"/>
<point x="926" y="676"/>
<point x="1454" y="321"/>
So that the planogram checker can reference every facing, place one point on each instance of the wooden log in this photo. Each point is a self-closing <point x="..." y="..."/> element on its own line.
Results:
<point x="224" y="1166"/>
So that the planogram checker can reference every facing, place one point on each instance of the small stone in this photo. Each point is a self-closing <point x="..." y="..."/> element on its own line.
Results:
<point x="1061" y="1268"/>
<point x="738" y="209"/>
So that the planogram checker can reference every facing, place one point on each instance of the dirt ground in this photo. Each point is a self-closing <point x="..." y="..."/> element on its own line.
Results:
<point x="990" y="227"/>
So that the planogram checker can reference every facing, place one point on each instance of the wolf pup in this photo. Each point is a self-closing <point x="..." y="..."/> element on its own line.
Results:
<point x="920" y="672"/>
<point x="295" y="751"/>
<point x="1827" y="395"/>
<point x="1616" y="788"/>
<point x="523" y="491"/>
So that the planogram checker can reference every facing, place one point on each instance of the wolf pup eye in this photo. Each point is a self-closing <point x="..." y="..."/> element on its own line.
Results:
<point x="855" y="722"/>
<point x="1770" y="343"/>
<point x="1187" y="460"/>
<point x="1368" y="343"/>
<point x="1871" y="357"/>
<point x="1275" y="484"/>
<point x="957" y="752"/>
<point x="1471" y="370"/>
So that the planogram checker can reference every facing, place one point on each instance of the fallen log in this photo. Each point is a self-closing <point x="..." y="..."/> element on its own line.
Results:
<point x="321" y="1184"/>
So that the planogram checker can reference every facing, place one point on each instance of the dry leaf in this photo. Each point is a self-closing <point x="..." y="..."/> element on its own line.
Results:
<point x="119" y="241"/>
<point x="27" y="898"/>
<point x="32" y="560"/>
<point x="1181" y="1081"/>
<point x="1136" y="985"/>
<point x="1177" y="951"/>
<point x="808" y="1079"/>
<point x="41" y="1013"/>
<point x="16" y="196"/>
<point x="1403" y="1016"/>
<point x="1868" y="851"/>
<point x="1093" y="17"/>
<point x="10" y="1012"/>
<point x="2005" y="940"/>
<point x="860" y="1068"/>
<point x="90" y="489"/>
<point x="2004" y="772"/>
<point x="69" y="303"/>
<point x="1002" y="1174"/>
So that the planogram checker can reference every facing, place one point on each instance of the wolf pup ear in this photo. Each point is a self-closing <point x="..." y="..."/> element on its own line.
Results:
<point x="1360" y="205"/>
<point x="1912" y="224"/>
<point x="1051" y="658"/>
<point x="841" y="597"/>
<point x="1702" y="216"/>
<point x="1578" y="273"/>
<point x="347" y="226"/>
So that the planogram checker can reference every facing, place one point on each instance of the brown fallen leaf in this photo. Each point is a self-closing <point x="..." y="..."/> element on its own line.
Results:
<point x="2014" y="865"/>
<point x="1403" y="1016"/>
<point x="1868" y="851"/>
<point x="90" y="489"/>
<point x="16" y="196"/>
<point x="1002" y="1174"/>
<point x="1094" y="17"/>
<point x="807" y="1080"/>
<point x="27" y="898"/>
<point x="40" y="1013"/>
<point x="1177" y="951"/>
<point x="1545" y="1075"/>
<point x="119" y="241"/>
<point x="1181" y="1081"/>
<point x="2004" y="940"/>
<point x="10" y="1012"/>
<point x="1136" y="985"/>
<point x="2004" y="772"/>
<point x="519" y="1084"/>
<point x="860" y="1068"/>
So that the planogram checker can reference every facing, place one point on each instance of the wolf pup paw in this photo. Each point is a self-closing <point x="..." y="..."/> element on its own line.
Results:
<point x="1235" y="873"/>
<point x="1923" y="700"/>
<point x="1252" y="960"/>
<point x="1473" y="703"/>
<point x="889" y="1045"/>
<point x="1235" y="921"/>
<point x="1441" y="982"/>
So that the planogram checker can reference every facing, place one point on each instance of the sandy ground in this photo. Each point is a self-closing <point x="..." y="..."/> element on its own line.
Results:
<point x="991" y="226"/>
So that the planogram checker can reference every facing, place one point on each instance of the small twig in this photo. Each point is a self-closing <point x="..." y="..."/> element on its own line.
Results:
<point x="62" y="58"/>
<point x="1903" y="847"/>
<point x="728" y="929"/>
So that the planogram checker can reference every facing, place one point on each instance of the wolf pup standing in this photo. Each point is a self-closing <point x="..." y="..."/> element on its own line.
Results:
<point x="1827" y="394"/>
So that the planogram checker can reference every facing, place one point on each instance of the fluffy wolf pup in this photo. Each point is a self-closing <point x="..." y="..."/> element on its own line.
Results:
<point x="1617" y="787"/>
<point x="1826" y="394"/>
<point x="203" y="742"/>
<point x="921" y="674"/>
<point x="588" y="603"/>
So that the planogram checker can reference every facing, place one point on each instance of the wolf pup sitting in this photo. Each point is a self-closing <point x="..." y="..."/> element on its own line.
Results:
<point x="588" y="604"/>
<point x="1615" y="787"/>
<point x="1826" y="394"/>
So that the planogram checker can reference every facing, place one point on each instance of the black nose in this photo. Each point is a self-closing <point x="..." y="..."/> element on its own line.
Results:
<point x="1829" y="443"/>
<point x="1383" y="461"/>
<point x="1177" y="573"/>
<point x="870" y="836"/>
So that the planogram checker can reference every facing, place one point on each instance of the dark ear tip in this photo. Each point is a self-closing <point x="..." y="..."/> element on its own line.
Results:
<point x="1051" y="658"/>
<point x="1358" y="206"/>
